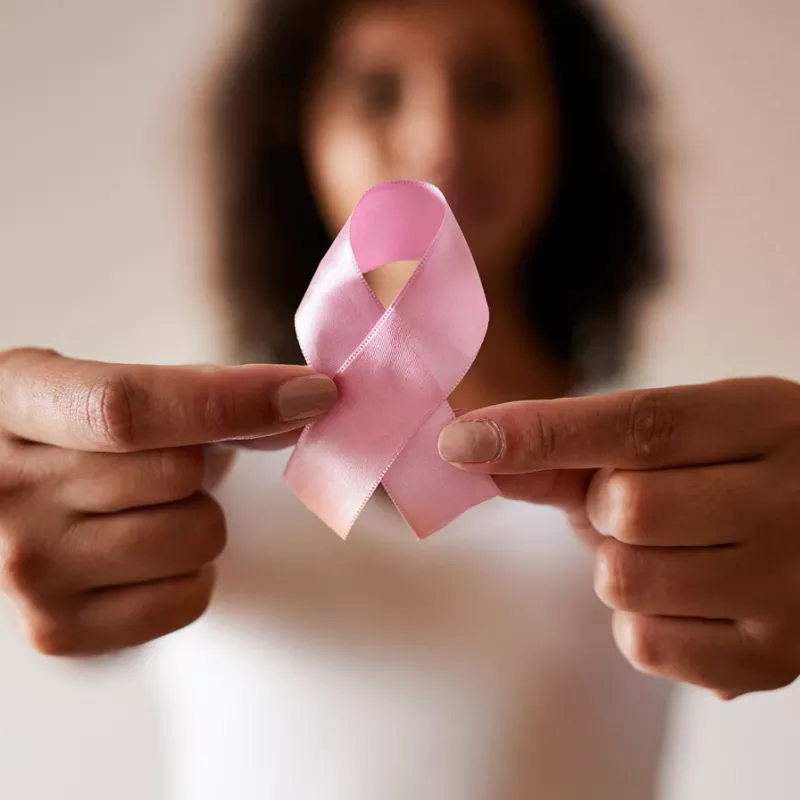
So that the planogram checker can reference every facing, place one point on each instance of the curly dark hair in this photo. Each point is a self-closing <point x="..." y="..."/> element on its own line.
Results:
<point x="601" y="246"/>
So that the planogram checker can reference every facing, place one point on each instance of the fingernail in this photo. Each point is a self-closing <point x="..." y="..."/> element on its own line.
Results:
<point x="307" y="397"/>
<point x="471" y="442"/>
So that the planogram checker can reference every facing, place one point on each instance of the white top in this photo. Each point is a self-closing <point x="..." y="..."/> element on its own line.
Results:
<point x="477" y="665"/>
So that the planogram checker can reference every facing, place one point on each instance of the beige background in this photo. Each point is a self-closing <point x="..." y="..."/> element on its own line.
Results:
<point x="101" y="245"/>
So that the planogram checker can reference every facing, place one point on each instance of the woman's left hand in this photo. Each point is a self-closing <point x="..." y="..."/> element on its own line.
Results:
<point x="692" y="497"/>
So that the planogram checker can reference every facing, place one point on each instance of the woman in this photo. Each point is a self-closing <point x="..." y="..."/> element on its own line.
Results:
<point x="477" y="665"/>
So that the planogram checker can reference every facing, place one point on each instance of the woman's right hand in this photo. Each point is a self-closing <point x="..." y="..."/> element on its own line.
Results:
<point x="107" y="537"/>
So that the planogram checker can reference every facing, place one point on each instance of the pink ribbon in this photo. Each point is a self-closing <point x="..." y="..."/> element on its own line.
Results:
<point x="394" y="367"/>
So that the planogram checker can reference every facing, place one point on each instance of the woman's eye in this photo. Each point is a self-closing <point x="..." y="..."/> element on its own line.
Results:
<point x="379" y="95"/>
<point x="490" y="96"/>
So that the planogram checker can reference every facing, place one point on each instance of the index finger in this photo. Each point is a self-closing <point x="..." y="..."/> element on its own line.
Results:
<point x="646" y="429"/>
<point x="83" y="405"/>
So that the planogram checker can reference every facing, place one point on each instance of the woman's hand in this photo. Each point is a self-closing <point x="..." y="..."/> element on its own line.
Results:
<point x="692" y="496"/>
<point x="106" y="534"/>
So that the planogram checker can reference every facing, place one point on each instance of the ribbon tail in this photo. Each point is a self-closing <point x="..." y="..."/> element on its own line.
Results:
<point x="321" y="481"/>
<point x="429" y="492"/>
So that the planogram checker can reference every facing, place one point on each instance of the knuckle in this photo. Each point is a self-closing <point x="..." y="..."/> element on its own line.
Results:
<point x="21" y="353"/>
<point x="192" y="601"/>
<point x="539" y="440"/>
<point x="108" y="412"/>
<point x="200" y="599"/>
<point x="219" y="408"/>
<point x="617" y="581"/>
<point x="180" y="470"/>
<point x="23" y="569"/>
<point x="210" y="533"/>
<point x="651" y="427"/>
<point x="217" y="463"/>
<point x="53" y="636"/>
<point x="12" y="470"/>
<point x="626" y="507"/>
<point x="642" y="647"/>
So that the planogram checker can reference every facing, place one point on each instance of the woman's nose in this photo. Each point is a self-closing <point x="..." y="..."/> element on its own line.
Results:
<point x="431" y="144"/>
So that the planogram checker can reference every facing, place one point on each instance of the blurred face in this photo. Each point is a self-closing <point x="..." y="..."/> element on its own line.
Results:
<point x="453" y="92"/>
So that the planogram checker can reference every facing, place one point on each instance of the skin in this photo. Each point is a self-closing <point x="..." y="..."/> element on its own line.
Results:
<point x="691" y="498"/>
<point x="107" y="535"/>
<point x="690" y="495"/>
<point x="456" y="93"/>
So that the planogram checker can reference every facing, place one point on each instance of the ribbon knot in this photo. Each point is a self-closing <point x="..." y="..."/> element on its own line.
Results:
<point x="395" y="367"/>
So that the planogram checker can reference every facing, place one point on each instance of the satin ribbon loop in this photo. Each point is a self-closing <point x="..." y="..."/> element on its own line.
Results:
<point x="395" y="367"/>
